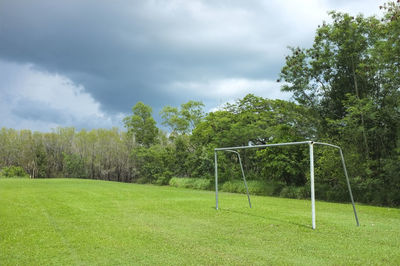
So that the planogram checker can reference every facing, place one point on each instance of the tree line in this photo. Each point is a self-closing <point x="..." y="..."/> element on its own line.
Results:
<point x="346" y="91"/>
<point x="65" y="152"/>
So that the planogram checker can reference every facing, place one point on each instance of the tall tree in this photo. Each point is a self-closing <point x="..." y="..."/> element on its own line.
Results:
<point x="259" y="121"/>
<point x="350" y="78"/>
<point x="142" y="125"/>
<point x="185" y="119"/>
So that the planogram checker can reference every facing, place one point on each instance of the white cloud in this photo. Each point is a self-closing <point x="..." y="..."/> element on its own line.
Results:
<point x="355" y="7"/>
<point x="30" y="98"/>
<point x="227" y="90"/>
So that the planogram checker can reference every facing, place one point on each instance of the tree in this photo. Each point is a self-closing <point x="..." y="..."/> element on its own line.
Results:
<point x="185" y="119"/>
<point x="142" y="125"/>
<point x="259" y="121"/>
<point x="74" y="166"/>
<point x="350" y="79"/>
<point x="151" y="162"/>
<point x="13" y="171"/>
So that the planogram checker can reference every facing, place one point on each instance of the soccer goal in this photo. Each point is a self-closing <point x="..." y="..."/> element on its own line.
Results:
<point x="311" y="147"/>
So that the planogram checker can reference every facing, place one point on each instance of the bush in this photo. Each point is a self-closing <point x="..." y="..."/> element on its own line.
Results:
<point x="201" y="183"/>
<point x="163" y="179"/>
<point x="194" y="183"/>
<point x="256" y="187"/>
<point x="13" y="171"/>
<point x="288" y="192"/>
<point x="303" y="192"/>
<point x="74" y="166"/>
<point x="141" y="180"/>
<point x="150" y="163"/>
<point x="294" y="192"/>
<point x="233" y="186"/>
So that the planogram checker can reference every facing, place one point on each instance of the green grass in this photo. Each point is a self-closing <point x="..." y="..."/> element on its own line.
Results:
<point x="87" y="222"/>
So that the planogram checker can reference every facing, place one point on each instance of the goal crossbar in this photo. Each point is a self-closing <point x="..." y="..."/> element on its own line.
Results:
<point x="311" y="147"/>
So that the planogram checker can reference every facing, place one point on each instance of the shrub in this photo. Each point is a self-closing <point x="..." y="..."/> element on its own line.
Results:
<point x="255" y="187"/>
<point x="150" y="163"/>
<point x="163" y="179"/>
<point x="141" y="180"/>
<point x="294" y="192"/>
<point x="13" y="171"/>
<point x="201" y="183"/>
<point x="288" y="192"/>
<point x="74" y="166"/>
<point x="303" y="192"/>
<point x="195" y="183"/>
<point x="230" y="186"/>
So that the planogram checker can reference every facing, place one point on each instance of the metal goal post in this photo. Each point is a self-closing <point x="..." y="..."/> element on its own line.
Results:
<point x="311" y="147"/>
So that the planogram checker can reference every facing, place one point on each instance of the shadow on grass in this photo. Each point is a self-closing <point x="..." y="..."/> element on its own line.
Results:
<point x="263" y="217"/>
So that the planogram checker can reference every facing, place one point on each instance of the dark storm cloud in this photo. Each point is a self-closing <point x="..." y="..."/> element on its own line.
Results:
<point x="123" y="52"/>
<point x="158" y="52"/>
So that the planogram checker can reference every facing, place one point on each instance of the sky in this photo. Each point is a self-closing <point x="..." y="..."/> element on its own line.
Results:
<point x="86" y="63"/>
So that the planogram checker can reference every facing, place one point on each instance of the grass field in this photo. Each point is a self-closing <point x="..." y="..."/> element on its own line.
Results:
<point x="85" y="222"/>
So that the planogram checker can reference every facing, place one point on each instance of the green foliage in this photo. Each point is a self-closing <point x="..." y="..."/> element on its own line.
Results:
<point x="13" y="171"/>
<point x="203" y="162"/>
<point x="164" y="178"/>
<point x="96" y="154"/>
<point x="295" y="192"/>
<point x="182" y="155"/>
<point x="184" y="120"/>
<point x="257" y="120"/>
<point x="40" y="162"/>
<point x="74" y="166"/>
<point x="142" y="125"/>
<point x="350" y="79"/>
<point x="255" y="187"/>
<point x="150" y="163"/>
<point x="194" y="183"/>
<point x="284" y="164"/>
<point x="392" y="176"/>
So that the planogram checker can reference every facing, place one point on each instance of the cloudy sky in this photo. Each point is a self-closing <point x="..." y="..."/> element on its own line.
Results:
<point x="85" y="63"/>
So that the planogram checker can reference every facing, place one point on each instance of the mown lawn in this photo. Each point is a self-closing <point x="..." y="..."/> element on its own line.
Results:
<point x="87" y="222"/>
